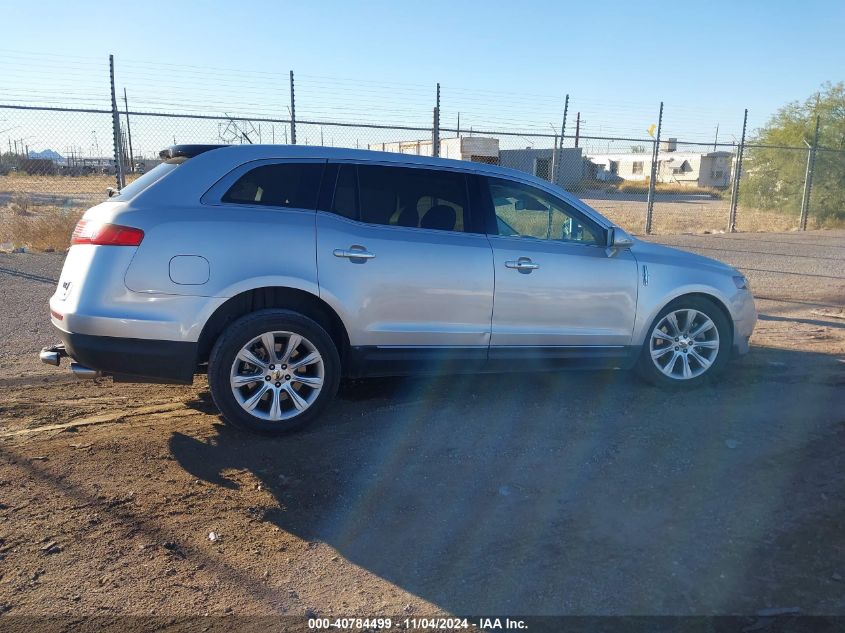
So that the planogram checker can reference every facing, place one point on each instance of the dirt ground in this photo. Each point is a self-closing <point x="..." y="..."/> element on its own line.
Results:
<point x="574" y="493"/>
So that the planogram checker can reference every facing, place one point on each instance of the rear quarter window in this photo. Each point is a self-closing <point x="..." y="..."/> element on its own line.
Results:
<point x="143" y="182"/>
<point x="290" y="185"/>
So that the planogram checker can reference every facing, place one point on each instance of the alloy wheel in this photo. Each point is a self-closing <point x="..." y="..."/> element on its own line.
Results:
<point x="277" y="375"/>
<point x="684" y="344"/>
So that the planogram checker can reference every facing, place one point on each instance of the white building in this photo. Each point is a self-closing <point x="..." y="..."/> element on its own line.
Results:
<point x="708" y="169"/>
<point x="480" y="149"/>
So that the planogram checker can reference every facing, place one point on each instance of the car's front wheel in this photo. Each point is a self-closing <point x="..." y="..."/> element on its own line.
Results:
<point x="273" y="371"/>
<point x="687" y="343"/>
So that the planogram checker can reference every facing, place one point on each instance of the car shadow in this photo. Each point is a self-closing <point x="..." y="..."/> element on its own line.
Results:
<point x="574" y="493"/>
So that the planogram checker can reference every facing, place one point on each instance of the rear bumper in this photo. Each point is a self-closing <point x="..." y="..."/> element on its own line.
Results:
<point x="131" y="359"/>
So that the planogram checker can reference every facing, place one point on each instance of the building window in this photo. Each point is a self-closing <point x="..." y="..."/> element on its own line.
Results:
<point x="543" y="168"/>
<point x="614" y="167"/>
<point x="718" y="174"/>
<point x="637" y="168"/>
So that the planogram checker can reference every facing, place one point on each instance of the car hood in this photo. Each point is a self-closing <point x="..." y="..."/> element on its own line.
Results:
<point x="650" y="253"/>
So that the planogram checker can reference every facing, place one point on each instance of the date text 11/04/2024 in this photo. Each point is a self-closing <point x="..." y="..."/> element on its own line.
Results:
<point x="441" y="624"/>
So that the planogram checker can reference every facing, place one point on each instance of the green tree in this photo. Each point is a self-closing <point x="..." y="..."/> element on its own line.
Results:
<point x="773" y="177"/>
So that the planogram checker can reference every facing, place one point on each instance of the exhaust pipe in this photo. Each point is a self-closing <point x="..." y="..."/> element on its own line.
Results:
<point x="81" y="371"/>
<point x="53" y="356"/>
<point x="50" y="357"/>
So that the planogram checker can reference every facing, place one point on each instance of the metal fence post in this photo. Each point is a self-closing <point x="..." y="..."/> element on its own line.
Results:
<point x="737" y="177"/>
<point x="435" y="130"/>
<point x="129" y="133"/>
<point x="655" y="153"/>
<point x="292" y="112"/>
<point x="808" y="178"/>
<point x="562" y="132"/>
<point x="115" y="119"/>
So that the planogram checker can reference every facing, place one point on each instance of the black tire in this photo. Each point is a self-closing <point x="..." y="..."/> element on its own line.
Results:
<point x="646" y="368"/>
<point x="239" y="334"/>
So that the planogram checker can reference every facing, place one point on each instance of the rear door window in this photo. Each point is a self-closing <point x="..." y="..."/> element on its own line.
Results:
<point x="345" y="201"/>
<point x="290" y="185"/>
<point x="403" y="196"/>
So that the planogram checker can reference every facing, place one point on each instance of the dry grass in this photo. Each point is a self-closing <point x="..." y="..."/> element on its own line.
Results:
<point x="708" y="220"/>
<point x="17" y="182"/>
<point x="37" y="227"/>
<point x="630" y="186"/>
<point x="71" y="186"/>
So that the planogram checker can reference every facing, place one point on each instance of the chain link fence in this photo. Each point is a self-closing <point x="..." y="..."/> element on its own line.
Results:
<point x="59" y="160"/>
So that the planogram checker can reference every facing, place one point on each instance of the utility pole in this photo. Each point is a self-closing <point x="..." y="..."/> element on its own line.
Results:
<point x="737" y="177"/>
<point x="292" y="112"/>
<point x="129" y="133"/>
<point x="808" y="177"/>
<point x="716" y="140"/>
<point x="655" y="154"/>
<point x="115" y="118"/>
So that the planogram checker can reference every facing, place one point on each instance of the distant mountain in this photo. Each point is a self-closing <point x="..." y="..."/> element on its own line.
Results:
<point x="47" y="154"/>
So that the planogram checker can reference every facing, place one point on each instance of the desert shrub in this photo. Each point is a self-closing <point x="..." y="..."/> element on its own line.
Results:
<point x="21" y="205"/>
<point x="48" y="228"/>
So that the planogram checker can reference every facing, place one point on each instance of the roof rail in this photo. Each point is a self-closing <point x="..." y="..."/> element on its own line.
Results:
<point x="185" y="151"/>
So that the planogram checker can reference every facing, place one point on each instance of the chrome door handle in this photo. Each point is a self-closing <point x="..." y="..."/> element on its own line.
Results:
<point x="353" y="253"/>
<point x="523" y="264"/>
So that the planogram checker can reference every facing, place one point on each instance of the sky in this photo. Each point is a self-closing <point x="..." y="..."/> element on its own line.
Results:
<point x="501" y="65"/>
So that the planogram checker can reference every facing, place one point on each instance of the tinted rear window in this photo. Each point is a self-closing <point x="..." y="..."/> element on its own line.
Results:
<point x="294" y="185"/>
<point x="412" y="197"/>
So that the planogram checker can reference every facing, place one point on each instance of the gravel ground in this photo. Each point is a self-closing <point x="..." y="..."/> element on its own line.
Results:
<point x="535" y="494"/>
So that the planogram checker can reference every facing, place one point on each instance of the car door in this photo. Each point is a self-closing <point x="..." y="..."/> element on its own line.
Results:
<point x="558" y="291"/>
<point x="402" y="259"/>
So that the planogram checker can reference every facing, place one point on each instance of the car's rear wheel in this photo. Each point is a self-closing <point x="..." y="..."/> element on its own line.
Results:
<point x="273" y="371"/>
<point x="688" y="343"/>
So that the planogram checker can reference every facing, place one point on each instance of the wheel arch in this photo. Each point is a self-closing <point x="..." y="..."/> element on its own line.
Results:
<point x="265" y="297"/>
<point x="712" y="298"/>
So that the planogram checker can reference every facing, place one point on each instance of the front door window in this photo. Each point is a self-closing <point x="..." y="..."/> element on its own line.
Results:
<point x="526" y="211"/>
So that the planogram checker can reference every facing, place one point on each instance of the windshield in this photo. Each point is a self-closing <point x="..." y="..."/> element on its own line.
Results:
<point x="137" y="186"/>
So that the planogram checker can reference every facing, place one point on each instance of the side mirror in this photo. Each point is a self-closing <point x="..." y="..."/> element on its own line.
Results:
<point x="618" y="239"/>
<point x="111" y="191"/>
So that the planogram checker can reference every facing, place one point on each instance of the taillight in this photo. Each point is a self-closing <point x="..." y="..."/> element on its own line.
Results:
<point x="106" y="234"/>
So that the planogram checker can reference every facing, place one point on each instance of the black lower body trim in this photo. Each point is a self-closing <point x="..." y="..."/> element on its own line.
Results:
<point x="134" y="359"/>
<point x="372" y="361"/>
<point x="402" y="361"/>
<point x="532" y="358"/>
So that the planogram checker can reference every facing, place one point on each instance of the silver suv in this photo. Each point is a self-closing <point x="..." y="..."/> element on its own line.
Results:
<point x="279" y="270"/>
